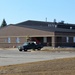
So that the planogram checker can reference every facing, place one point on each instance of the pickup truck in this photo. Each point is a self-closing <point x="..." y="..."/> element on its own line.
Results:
<point x="30" y="45"/>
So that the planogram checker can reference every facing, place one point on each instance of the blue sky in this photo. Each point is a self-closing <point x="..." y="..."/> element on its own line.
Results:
<point x="15" y="11"/>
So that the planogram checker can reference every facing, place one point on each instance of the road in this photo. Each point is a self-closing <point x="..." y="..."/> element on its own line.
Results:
<point x="10" y="57"/>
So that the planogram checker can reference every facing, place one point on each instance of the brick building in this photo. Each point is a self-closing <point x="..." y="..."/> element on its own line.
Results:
<point x="48" y="33"/>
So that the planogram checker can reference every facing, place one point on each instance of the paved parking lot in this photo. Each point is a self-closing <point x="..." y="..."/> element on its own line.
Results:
<point x="9" y="57"/>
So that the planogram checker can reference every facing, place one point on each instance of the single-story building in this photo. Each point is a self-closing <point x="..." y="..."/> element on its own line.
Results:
<point x="48" y="33"/>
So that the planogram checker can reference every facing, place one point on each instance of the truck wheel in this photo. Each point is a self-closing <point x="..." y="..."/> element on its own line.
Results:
<point x="34" y="49"/>
<point x="20" y="49"/>
<point x="39" y="49"/>
<point x="25" y="50"/>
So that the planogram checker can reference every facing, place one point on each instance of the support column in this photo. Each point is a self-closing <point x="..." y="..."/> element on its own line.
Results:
<point x="53" y="41"/>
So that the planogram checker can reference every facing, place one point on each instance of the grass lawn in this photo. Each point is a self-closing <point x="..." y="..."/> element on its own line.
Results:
<point x="51" y="67"/>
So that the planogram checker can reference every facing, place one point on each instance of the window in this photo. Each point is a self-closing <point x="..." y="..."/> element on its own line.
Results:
<point x="17" y="40"/>
<point x="74" y="39"/>
<point x="52" y="25"/>
<point x="70" y="27"/>
<point x="9" y="40"/>
<point x="49" y="25"/>
<point x="45" y="40"/>
<point x="55" y="26"/>
<point x="67" y="39"/>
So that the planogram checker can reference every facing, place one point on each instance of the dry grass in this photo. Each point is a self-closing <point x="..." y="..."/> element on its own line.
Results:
<point x="52" y="67"/>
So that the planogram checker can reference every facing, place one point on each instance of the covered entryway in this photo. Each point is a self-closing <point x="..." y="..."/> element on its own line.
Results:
<point x="47" y="41"/>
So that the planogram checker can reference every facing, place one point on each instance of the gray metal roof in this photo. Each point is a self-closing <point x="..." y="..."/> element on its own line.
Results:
<point x="46" y="26"/>
<point x="51" y="29"/>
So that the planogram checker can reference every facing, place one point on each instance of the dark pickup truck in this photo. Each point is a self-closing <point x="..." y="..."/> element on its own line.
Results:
<point x="30" y="45"/>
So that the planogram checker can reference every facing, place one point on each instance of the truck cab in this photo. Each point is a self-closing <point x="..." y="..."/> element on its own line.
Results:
<point x="30" y="45"/>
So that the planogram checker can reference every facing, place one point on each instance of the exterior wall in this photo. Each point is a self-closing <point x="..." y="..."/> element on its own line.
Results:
<point x="53" y="39"/>
<point x="63" y="39"/>
<point x="68" y="43"/>
<point x="14" y="32"/>
<point x="13" y="42"/>
<point x="58" y="41"/>
<point x="65" y="34"/>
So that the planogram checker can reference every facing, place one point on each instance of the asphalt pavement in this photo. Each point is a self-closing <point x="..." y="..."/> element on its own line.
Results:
<point x="10" y="57"/>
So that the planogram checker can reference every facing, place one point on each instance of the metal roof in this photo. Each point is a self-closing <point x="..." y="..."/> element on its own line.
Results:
<point x="47" y="26"/>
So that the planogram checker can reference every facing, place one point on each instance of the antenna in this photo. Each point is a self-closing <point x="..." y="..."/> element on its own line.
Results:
<point x="46" y="19"/>
<point x="54" y="20"/>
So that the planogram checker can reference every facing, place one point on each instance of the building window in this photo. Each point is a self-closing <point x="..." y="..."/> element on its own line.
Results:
<point x="74" y="39"/>
<point x="9" y="40"/>
<point x="67" y="39"/>
<point x="45" y="39"/>
<point x="17" y="40"/>
<point x="49" y="25"/>
<point x="70" y="27"/>
<point x="55" y="26"/>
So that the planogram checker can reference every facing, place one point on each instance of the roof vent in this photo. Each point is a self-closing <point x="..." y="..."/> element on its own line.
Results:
<point x="46" y="19"/>
<point x="62" y="22"/>
<point x="54" y="20"/>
